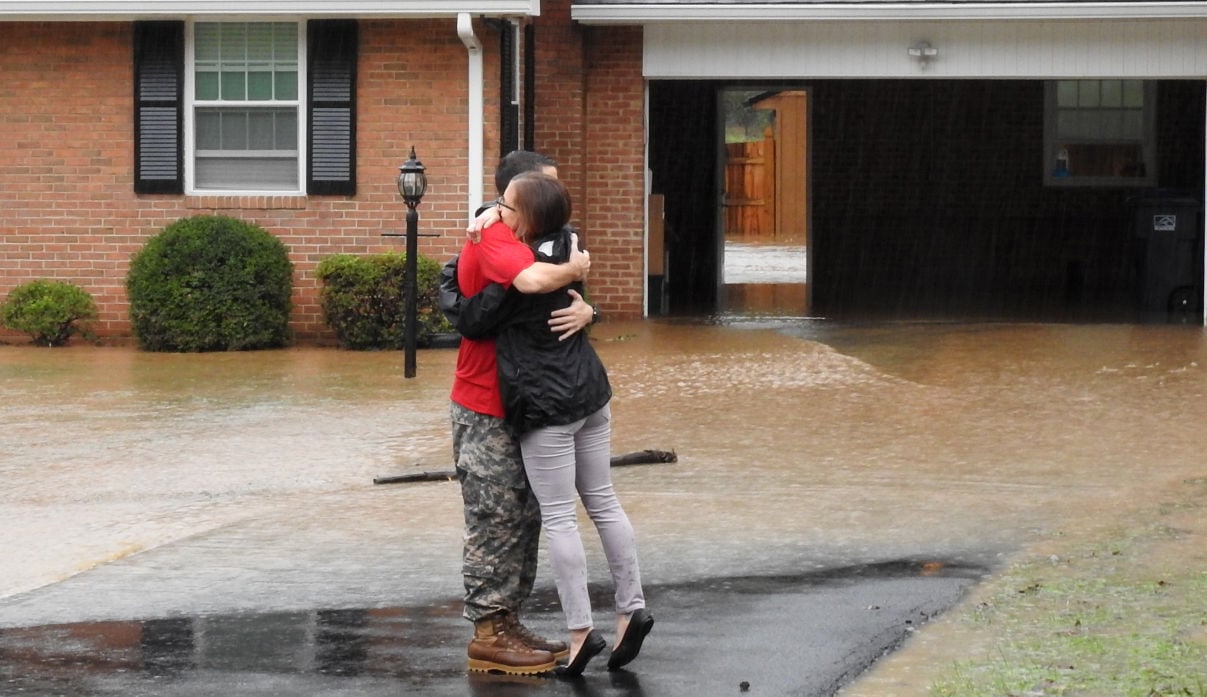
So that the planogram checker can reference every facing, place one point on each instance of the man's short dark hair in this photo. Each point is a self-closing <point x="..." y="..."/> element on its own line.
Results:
<point x="517" y="162"/>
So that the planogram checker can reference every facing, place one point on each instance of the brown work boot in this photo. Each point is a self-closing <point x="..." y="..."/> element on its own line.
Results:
<point x="559" y="649"/>
<point x="495" y="648"/>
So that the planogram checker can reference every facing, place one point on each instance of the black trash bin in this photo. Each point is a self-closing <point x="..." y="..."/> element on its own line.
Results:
<point x="1169" y="252"/>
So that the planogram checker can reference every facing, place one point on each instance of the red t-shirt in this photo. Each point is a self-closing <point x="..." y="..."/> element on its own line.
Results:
<point x="498" y="258"/>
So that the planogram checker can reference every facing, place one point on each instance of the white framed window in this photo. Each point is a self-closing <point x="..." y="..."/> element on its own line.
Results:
<point x="244" y="125"/>
<point x="1100" y="133"/>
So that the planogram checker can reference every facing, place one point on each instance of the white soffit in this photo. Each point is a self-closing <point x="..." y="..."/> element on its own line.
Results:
<point x="1170" y="49"/>
<point x="604" y="12"/>
<point x="92" y="10"/>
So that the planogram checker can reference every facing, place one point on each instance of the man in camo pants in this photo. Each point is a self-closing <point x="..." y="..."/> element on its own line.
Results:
<point x="502" y="518"/>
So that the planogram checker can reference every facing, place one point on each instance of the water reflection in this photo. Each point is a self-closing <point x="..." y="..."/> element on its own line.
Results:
<point x="357" y="651"/>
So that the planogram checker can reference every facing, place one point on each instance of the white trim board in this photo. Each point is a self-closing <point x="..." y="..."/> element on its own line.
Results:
<point x="1168" y="49"/>
<point x="115" y="10"/>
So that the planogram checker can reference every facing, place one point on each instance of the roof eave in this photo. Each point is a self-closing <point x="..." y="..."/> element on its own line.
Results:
<point x="116" y="10"/>
<point x="639" y="13"/>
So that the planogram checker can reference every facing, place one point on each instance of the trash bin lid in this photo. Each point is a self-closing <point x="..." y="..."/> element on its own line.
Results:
<point x="1165" y="199"/>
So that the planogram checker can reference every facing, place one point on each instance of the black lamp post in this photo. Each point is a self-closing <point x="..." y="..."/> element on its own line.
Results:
<point x="412" y="184"/>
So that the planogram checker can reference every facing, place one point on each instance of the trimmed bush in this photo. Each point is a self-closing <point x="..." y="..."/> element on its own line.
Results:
<point x="211" y="283"/>
<point x="49" y="311"/>
<point x="364" y="300"/>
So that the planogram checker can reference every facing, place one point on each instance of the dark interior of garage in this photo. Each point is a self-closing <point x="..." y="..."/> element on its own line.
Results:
<point x="928" y="200"/>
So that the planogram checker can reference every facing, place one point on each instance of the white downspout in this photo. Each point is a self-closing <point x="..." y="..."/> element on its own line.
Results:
<point x="465" y="30"/>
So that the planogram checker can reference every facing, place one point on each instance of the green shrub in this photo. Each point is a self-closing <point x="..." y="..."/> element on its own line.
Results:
<point x="49" y="311"/>
<point x="364" y="300"/>
<point x="211" y="283"/>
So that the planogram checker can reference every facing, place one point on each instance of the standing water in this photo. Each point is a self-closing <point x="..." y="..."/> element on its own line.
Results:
<point x="243" y="482"/>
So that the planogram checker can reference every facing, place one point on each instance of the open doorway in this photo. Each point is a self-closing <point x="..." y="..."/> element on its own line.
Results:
<point x="764" y="212"/>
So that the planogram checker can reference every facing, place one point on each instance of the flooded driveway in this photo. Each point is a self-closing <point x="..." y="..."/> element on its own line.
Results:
<point x="150" y="487"/>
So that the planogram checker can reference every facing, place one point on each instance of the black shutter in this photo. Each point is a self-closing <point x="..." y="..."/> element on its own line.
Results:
<point x="331" y="96"/>
<point x="158" y="93"/>
<point x="509" y="110"/>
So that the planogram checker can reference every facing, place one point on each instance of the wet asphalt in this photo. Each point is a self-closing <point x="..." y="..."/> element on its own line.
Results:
<point x="806" y="634"/>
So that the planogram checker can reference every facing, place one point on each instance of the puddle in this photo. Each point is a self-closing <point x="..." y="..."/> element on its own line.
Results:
<point x="420" y="650"/>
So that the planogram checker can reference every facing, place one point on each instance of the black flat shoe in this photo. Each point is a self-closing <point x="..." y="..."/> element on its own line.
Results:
<point x="640" y="624"/>
<point x="590" y="649"/>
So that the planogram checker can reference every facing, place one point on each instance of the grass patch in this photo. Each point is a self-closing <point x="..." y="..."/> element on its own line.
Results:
<point x="1123" y="616"/>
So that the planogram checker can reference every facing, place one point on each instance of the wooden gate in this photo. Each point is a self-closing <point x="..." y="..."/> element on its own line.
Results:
<point x="750" y="190"/>
<point x="765" y="185"/>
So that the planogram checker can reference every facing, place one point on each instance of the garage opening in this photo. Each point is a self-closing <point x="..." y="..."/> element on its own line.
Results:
<point x="946" y="199"/>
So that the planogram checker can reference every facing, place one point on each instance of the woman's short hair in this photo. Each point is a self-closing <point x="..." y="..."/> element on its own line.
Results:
<point x="542" y="202"/>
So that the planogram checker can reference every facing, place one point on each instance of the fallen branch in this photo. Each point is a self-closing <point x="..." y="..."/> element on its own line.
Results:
<point x="643" y="457"/>
<point x="417" y="477"/>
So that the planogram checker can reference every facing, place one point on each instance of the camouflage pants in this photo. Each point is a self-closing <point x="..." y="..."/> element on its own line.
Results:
<point x="502" y="517"/>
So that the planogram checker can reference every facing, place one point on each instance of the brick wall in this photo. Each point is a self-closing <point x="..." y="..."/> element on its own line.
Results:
<point x="615" y="174"/>
<point x="590" y="118"/>
<point x="66" y="161"/>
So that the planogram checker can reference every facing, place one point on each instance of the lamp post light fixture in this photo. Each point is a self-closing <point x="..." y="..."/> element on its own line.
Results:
<point x="412" y="185"/>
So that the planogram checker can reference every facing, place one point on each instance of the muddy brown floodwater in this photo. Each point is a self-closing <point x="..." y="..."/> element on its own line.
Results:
<point x="801" y="445"/>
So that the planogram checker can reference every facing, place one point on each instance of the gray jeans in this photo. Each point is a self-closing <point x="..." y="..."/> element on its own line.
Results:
<point x="565" y="463"/>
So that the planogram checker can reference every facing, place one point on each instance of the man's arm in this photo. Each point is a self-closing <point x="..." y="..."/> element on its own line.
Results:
<point x="484" y="313"/>
<point x="542" y="277"/>
<point x="568" y="321"/>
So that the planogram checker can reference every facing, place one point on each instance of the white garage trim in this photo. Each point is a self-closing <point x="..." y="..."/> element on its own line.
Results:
<point x="1168" y="49"/>
<point x="647" y="13"/>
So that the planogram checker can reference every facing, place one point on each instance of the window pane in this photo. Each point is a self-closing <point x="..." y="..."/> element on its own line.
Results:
<point x="287" y="130"/>
<point x="1066" y="123"/>
<point x="257" y="60"/>
<point x="243" y="173"/>
<point x="229" y="129"/>
<point x="1112" y="93"/>
<point x="206" y="85"/>
<point x="209" y="130"/>
<point x="286" y="85"/>
<point x="1133" y="124"/>
<point x="234" y="41"/>
<point x="259" y="43"/>
<point x="1133" y="93"/>
<point x="1087" y="93"/>
<point x="1094" y="123"/>
<point x="234" y="130"/>
<point x="285" y="44"/>
<point x="232" y="86"/>
<point x="1066" y="93"/>
<point x="207" y="43"/>
<point x="1112" y="125"/>
<point x="260" y="130"/>
<point x="259" y="86"/>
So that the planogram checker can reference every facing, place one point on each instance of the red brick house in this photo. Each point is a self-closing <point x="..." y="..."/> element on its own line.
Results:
<point x="960" y="159"/>
<point x="120" y="117"/>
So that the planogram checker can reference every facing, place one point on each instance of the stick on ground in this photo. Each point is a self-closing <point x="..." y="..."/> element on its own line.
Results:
<point x="642" y="457"/>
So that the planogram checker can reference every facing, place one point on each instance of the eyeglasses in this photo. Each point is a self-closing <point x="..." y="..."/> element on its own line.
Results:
<point x="499" y="202"/>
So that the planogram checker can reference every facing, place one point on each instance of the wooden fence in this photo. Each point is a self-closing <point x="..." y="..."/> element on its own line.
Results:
<point x="750" y="190"/>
